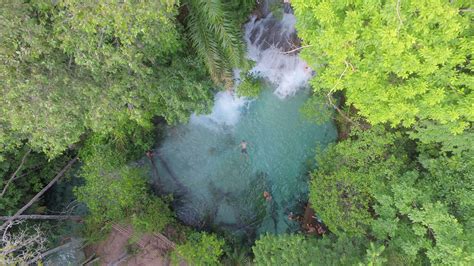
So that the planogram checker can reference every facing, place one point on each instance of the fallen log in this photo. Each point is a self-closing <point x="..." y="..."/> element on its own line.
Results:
<point x="43" y="217"/>
<point x="37" y="196"/>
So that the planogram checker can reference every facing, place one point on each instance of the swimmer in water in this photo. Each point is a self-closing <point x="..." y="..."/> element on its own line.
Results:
<point x="149" y="154"/>
<point x="291" y="216"/>
<point x="243" y="147"/>
<point x="267" y="196"/>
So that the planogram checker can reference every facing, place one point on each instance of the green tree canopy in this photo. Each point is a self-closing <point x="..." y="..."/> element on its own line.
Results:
<point x="403" y="63"/>
<point x="348" y="173"/>
<point x="116" y="191"/>
<point x="298" y="250"/>
<point x="201" y="248"/>
<point x="375" y="184"/>
<point x="76" y="66"/>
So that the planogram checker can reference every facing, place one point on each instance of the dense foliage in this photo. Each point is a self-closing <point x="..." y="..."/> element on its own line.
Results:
<point x="116" y="192"/>
<point x="250" y="85"/>
<point x="418" y="204"/>
<point x="299" y="250"/>
<point x="74" y="66"/>
<point x="404" y="63"/>
<point x="200" y="249"/>
<point x="96" y="78"/>
<point x="403" y="175"/>
<point x="280" y="250"/>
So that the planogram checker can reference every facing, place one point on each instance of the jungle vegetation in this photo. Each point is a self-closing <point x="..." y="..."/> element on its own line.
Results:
<point x="93" y="80"/>
<point x="92" y="83"/>
<point x="399" y="182"/>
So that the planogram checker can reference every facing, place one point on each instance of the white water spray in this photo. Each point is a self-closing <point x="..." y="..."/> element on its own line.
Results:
<point x="225" y="112"/>
<point x="268" y="41"/>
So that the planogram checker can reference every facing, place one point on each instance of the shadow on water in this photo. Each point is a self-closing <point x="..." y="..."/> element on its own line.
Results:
<point x="181" y="189"/>
<point x="249" y="203"/>
<point x="197" y="214"/>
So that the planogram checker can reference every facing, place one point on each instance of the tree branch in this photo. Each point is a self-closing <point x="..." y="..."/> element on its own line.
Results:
<point x="297" y="49"/>
<point x="13" y="177"/>
<point x="37" y="196"/>
<point x="329" y="95"/>
<point x="28" y="242"/>
<point x="43" y="217"/>
<point x="399" y="17"/>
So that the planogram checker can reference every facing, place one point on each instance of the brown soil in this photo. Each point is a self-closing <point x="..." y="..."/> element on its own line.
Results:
<point x="150" y="249"/>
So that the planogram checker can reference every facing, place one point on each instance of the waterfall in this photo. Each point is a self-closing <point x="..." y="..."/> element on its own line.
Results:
<point x="268" y="41"/>
<point x="225" y="112"/>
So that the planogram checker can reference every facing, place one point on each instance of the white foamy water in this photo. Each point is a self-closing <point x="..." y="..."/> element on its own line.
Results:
<point x="267" y="41"/>
<point x="226" y="111"/>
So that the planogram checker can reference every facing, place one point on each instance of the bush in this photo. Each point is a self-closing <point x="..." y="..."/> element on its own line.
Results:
<point x="200" y="249"/>
<point x="115" y="192"/>
<point x="155" y="215"/>
<point x="251" y="86"/>
<point x="281" y="250"/>
<point x="298" y="250"/>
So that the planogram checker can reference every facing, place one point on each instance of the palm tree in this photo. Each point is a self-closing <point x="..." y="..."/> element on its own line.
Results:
<point x="217" y="38"/>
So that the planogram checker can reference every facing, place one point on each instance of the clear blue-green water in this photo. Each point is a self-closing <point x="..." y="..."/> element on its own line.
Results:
<point x="218" y="187"/>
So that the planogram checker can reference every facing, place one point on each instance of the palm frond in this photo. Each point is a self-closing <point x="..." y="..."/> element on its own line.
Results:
<point x="216" y="38"/>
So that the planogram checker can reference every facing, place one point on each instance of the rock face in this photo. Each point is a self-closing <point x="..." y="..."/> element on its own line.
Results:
<point x="277" y="32"/>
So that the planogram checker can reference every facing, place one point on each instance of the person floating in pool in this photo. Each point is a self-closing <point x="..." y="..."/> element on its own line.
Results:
<point x="149" y="154"/>
<point x="267" y="196"/>
<point x="243" y="147"/>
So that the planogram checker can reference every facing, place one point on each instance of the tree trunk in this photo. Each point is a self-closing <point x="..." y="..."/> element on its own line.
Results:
<point x="42" y="217"/>
<point x="37" y="196"/>
<point x="13" y="177"/>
